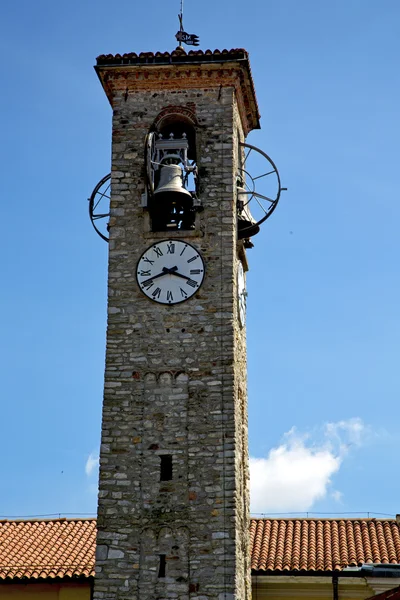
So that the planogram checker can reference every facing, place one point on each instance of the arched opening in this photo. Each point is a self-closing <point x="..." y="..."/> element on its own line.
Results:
<point x="172" y="170"/>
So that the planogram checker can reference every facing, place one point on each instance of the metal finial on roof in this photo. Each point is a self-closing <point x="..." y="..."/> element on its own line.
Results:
<point x="185" y="38"/>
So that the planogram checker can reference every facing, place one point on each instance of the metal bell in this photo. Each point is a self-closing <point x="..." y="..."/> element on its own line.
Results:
<point x="171" y="179"/>
<point x="247" y="225"/>
<point x="172" y="203"/>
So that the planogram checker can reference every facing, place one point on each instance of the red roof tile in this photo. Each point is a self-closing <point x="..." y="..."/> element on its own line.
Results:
<point x="178" y="55"/>
<point x="322" y="545"/>
<point x="47" y="549"/>
<point x="64" y="548"/>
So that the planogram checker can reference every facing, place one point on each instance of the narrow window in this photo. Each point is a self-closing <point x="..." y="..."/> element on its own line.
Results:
<point x="161" y="569"/>
<point x="166" y="467"/>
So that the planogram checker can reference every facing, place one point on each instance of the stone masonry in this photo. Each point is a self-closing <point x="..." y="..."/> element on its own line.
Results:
<point x="175" y="381"/>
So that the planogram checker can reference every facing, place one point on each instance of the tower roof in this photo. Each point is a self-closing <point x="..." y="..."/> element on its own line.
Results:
<point x="177" y="56"/>
<point x="184" y="69"/>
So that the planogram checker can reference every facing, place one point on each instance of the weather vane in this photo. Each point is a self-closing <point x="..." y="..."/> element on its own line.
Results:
<point x="185" y="38"/>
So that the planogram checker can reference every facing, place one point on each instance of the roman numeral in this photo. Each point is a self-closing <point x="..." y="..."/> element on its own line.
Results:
<point x="192" y="283"/>
<point x="156" y="293"/>
<point x="193" y="258"/>
<point x="145" y="273"/>
<point x="170" y="297"/>
<point x="183" y="293"/>
<point x="195" y="271"/>
<point x="171" y="248"/>
<point x="158" y="251"/>
<point x="147" y="260"/>
<point x="183" y="251"/>
<point x="147" y="284"/>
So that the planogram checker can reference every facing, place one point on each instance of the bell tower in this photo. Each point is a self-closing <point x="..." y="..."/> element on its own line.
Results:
<point x="173" y="494"/>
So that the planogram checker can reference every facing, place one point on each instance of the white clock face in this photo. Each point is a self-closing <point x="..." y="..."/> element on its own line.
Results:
<point x="242" y="295"/>
<point x="170" y="271"/>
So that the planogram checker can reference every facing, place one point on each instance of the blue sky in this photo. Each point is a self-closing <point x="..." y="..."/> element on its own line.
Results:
<point x="323" y="306"/>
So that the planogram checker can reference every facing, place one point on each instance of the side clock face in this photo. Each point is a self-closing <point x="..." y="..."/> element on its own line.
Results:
<point x="170" y="271"/>
<point x="242" y="294"/>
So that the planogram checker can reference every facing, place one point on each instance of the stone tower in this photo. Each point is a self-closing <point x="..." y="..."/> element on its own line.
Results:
<point x="173" y="497"/>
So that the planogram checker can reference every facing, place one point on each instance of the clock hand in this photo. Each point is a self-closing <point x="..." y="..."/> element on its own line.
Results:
<point x="164" y="271"/>
<point x="189" y="279"/>
<point x="180" y="275"/>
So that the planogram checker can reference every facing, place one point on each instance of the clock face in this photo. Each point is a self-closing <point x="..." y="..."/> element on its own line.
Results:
<point x="242" y="295"/>
<point x="170" y="271"/>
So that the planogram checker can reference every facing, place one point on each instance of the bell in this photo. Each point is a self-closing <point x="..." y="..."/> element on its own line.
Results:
<point x="171" y="180"/>
<point x="247" y="228"/>
<point x="172" y="203"/>
<point x="247" y="225"/>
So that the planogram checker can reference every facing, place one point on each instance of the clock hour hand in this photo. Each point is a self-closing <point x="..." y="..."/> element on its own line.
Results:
<point x="165" y="271"/>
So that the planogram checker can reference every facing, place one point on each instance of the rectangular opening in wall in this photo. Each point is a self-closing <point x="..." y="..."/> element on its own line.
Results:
<point x="166" y="467"/>
<point x="161" y="569"/>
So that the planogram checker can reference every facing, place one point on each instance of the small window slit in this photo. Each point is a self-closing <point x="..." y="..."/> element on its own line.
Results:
<point x="166" y="467"/>
<point x="161" y="569"/>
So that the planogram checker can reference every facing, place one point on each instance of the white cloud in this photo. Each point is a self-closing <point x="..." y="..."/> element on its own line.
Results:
<point x="347" y="433"/>
<point x="299" y="471"/>
<point x="337" y="496"/>
<point x="92" y="464"/>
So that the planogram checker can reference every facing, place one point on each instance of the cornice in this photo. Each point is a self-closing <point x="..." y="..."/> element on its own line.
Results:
<point x="131" y="78"/>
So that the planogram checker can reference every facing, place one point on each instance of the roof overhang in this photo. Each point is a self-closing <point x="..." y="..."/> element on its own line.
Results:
<point x="194" y="70"/>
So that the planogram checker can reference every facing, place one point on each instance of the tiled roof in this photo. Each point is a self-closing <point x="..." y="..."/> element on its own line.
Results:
<point x="176" y="56"/>
<point x="322" y="545"/>
<point x="64" y="548"/>
<point x="47" y="549"/>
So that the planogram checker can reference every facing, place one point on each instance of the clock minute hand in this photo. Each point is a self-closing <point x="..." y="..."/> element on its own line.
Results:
<point x="164" y="271"/>
<point x="180" y="275"/>
<point x="188" y="279"/>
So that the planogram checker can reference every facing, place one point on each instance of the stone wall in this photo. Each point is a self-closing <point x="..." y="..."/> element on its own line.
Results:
<point x="175" y="381"/>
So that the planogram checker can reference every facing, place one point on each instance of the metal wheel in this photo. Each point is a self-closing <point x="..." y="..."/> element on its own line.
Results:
<point x="259" y="186"/>
<point x="99" y="207"/>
